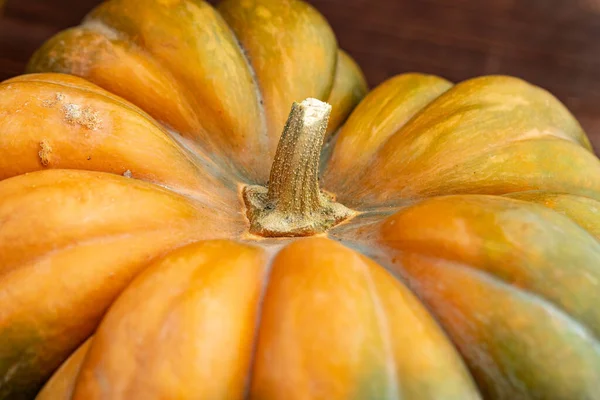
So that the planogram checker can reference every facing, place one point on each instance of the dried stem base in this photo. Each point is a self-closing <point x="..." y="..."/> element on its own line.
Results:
<point x="266" y="220"/>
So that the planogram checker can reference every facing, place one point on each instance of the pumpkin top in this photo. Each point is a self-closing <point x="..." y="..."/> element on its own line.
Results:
<point x="224" y="77"/>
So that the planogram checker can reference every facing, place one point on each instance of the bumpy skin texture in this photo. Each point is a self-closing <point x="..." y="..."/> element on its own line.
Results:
<point x="471" y="269"/>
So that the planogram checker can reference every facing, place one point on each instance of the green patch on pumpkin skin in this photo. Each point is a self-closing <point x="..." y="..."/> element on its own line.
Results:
<point x="19" y="362"/>
<point x="375" y="385"/>
<point x="536" y="257"/>
<point x="551" y="357"/>
<point x="523" y="244"/>
<point x="25" y="362"/>
<point x="378" y="385"/>
<point x="517" y="345"/>
<point x="585" y="211"/>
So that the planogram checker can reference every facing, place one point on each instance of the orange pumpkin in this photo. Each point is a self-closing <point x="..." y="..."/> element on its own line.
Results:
<point x="147" y="245"/>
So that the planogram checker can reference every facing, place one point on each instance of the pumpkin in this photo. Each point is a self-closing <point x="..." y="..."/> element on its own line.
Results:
<point x="169" y="228"/>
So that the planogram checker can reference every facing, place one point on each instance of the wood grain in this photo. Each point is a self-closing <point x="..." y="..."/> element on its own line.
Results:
<point x="552" y="43"/>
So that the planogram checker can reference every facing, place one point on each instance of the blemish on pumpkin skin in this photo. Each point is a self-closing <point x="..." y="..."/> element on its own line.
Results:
<point x="45" y="153"/>
<point x="74" y="114"/>
<point x="86" y="117"/>
<point x="127" y="174"/>
<point x="58" y="98"/>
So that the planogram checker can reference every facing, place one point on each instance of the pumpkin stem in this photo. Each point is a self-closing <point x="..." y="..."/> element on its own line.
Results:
<point x="293" y="205"/>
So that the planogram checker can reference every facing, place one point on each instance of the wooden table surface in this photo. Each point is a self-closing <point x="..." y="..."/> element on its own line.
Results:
<point x="552" y="43"/>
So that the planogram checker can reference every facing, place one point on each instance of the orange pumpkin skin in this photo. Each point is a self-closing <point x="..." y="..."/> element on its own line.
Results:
<point x="469" y="270"/>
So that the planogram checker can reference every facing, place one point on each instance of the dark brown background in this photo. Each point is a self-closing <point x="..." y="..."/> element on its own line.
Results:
<point x="552" y="43"/>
